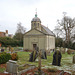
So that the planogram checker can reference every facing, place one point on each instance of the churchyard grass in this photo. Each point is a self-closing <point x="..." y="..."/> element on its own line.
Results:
<point x="24" y="59"/>
<point x="66" y="61"/>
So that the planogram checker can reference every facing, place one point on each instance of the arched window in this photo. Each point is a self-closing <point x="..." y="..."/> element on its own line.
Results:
<point x="34" y="25"/>
<point x="38" y="24"/>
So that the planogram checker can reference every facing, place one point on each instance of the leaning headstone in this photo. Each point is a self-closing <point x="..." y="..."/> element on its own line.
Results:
<point x="57" y="58"/>
<point x="74" y="59"/>
<point x="12" y="67"/>
<point x="33" y="56"/>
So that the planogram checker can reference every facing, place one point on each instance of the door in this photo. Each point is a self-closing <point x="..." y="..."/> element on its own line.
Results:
<point x="34" y="46"/>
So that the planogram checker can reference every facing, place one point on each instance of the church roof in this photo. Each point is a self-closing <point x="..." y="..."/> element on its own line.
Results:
<point x="48" y="31"/>
<point x="36" y="19"/>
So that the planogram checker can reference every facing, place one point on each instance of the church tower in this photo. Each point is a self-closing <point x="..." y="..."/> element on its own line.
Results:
<point x="36" y="23"/>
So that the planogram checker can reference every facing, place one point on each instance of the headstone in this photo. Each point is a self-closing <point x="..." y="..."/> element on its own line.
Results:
<point x="2" y="50"/>
<point x="12" y="67"/>
<point x="43" y="54"/>
<point x="57" y="58"/>
<point x="33" y="56"/>
<point x="53" y="50"/>
<point x="74" y="59"/>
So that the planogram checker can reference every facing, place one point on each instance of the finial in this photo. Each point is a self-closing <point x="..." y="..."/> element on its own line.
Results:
<point x="36" y="13"/>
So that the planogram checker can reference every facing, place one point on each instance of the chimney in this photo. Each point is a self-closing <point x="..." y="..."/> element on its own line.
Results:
<point x="6" y="31"/>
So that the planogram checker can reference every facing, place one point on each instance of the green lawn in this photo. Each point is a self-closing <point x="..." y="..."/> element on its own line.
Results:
<point x="66" y="61"/>
<point x="24" y="59"/>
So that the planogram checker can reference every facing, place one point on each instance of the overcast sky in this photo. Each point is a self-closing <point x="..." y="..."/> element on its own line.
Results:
<point x="15" y="11"/>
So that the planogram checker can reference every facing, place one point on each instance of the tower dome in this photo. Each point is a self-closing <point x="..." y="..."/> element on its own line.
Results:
<point x="35" y="19"/>
<point x="36" y="23"/>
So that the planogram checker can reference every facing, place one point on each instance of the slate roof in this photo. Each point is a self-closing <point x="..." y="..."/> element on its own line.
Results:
<point x="48" y="31"/>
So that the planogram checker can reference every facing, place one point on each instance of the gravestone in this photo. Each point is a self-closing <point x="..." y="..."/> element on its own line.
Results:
<point x="33" y="56"/>
<point x="2" y="50"/>
<point x="57" y="58"/>
<point x="74" y="59"/>
<point x="43" y="54"/>
<point x="12" y="67"/>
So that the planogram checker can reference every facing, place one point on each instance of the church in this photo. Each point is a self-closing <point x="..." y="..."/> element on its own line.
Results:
<point x="38" y="36"/>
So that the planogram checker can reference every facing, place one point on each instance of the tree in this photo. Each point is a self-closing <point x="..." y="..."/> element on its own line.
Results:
<point x="58" y="42"/>
<point x="19" y="32"/>
<point x="73" y="35"/>
<point x="65" y="26"/>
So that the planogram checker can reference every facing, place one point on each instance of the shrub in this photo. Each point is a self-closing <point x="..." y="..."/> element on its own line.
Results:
<point x="14" y="56"/>
<point x="69" y="51"/>
<point x="4" y="57"/>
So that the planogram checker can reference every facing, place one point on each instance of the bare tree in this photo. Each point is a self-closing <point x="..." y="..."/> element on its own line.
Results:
<point x="20" y="31"/>
<point x="73" y="35"/>
<point x="65" y="26"/>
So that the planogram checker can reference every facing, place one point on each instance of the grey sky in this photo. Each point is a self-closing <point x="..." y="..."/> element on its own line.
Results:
<point x="15" y="11"/>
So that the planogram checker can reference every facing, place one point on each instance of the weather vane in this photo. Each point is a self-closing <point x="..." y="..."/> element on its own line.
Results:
<point x="36" y="10"/>
<point x="36" y="13"/>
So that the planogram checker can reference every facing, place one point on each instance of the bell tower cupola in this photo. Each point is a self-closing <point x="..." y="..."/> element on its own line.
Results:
<point x="36" y="23"/>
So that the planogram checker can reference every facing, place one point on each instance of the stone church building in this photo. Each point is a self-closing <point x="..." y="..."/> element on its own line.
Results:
<point x="39" y="36"/>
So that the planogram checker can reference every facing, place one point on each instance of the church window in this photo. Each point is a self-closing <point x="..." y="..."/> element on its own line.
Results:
<point x="38" y="24"/>
<point x="34" y="24"/>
